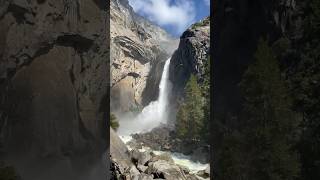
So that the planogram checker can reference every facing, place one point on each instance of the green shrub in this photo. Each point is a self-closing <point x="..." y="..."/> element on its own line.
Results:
<point x="114" y="122"/>
<point x="8" y="173"/>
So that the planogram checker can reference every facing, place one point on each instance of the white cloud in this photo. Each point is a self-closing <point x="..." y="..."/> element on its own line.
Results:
<point x="180" y="14"/>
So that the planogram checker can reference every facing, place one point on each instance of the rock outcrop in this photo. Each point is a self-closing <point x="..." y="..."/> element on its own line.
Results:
<point x="118" y="151"/>
<point x="138" y="52"/>
<point x="53" y="86"/>
<point x="190" y="57"/>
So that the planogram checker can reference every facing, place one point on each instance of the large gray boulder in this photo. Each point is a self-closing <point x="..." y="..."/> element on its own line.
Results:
<point x="166" y="170"/>
<point x="140" y="157"/>
<point x="119" y="152"/>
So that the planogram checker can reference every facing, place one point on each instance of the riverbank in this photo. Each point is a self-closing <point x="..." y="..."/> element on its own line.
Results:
<point x="197" y="169"/>
<point x="163" y="138"/>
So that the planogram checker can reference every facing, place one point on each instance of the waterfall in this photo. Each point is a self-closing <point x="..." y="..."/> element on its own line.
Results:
<point x="154" y="114"/>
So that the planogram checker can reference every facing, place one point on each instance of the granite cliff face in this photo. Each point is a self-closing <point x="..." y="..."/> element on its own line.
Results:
<point x="190" y="57"/>
<point x="53" y="84"/>
<point x="138" y="52"/>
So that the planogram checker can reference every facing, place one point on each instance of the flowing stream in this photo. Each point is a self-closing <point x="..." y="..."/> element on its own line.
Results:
<point x="152" y="116"/>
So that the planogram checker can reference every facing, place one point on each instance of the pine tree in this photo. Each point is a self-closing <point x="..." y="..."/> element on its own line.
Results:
<point x="268" y="123"/>
<point x="205" y="89"/>
<point x="305" y="84"/>
<point x="182" y="121"/>
<point x="189" y="121"/>
<point x="232" y="159"/>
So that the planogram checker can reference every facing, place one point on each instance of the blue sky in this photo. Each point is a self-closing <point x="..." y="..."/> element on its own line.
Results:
<point x="175" y="16"/>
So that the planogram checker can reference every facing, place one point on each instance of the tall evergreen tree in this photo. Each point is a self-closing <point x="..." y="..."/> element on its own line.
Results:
<point x="189" y="121"/>
<point x="268" y="123"/>
<point x="205" y="89"/>
<point x="305" y="78"/>
<point x="182" y="124"/>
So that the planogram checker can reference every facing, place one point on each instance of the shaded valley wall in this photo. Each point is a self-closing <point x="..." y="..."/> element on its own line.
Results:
<point x="53" y="79"/>
<point x="238" y="25"/>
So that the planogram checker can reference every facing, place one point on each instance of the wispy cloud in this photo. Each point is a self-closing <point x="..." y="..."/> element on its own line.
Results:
<point x="179" y="14"/>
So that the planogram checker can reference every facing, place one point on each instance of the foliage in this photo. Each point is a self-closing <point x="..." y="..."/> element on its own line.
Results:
<point x="114" y="122"/>
<point x="190" y="115"/>
<point x="232" y="159"/>
<point x="264" y="147"/>
<point x="269" y="123"/>
<point x="201" y="23"/>
<point x="304" y="79"/>
<point x="8" y="173"/>
<point x="193" y="116"/>
<point x="205" y="89"/>
<point x="135" y="109"/>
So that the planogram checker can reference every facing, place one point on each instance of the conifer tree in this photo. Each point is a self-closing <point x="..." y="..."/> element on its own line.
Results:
<point x="205" y="89"/>
<point x="189" y="121"/>
<point x="182" y="121"/>
<point x="269" y="125"/>
<point x="305" y="84"/>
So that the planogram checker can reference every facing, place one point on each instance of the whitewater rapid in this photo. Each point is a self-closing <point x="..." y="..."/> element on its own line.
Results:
<point x="154" y="114"/>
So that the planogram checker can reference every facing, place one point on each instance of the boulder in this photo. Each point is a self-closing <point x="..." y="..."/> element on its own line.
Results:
<point x="204" y="173"/>
<point x="165" y="170"/>
<point x="164" y="156"/>
<point x="193" y="177"/>
<point x="143" y="176"/>
<point x="134" y="172"/>
<point x="184" y="169"/>
<point x="119" y="152"/>
<point x="140" y="157"/>
<point x="142" y="168"/>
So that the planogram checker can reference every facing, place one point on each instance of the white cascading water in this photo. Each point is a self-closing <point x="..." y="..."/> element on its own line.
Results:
<point x="152" y="115"/>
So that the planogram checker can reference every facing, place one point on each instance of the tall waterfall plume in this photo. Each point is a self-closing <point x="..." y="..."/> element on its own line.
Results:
<point x="154" y="114"/>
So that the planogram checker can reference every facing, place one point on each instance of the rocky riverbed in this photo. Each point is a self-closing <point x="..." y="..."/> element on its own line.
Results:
<point x="164" y="139"/>
<point x="148" y="165"/>
<point x="142" y="163"/>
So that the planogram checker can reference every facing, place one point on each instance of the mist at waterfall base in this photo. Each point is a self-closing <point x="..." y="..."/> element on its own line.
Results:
<point x="153" y="115"/>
